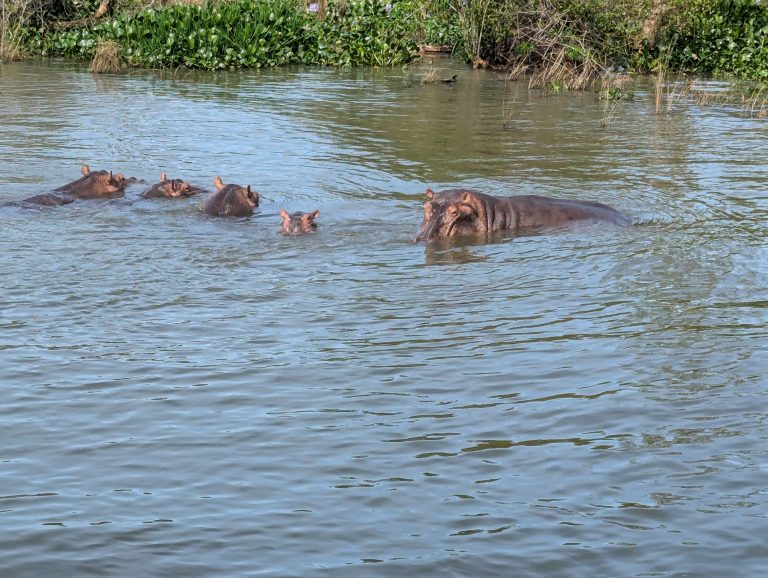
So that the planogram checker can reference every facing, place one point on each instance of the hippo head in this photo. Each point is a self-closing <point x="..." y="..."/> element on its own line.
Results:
<point x="451" y="213"/>
<point x="172" y="187"/>
<point x="95" y="184"/>
<point x="244" y="194"/>
<point x="299" y="223"/>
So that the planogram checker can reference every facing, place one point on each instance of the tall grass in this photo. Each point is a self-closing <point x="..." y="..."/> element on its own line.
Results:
<point x="15" y="16"/>
<point x="473" y="17"/>
<point x="567" y="43"/>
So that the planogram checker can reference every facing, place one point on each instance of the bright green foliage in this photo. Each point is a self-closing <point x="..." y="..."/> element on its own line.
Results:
<point x="249" y="33"/>
<point x="433" y="21"/>
<point x="723" y="36"/>
<point x="705" y="36"/>
<point x="359" y="32"/>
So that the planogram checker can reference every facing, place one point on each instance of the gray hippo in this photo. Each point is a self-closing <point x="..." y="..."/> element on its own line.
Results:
<point x="170" y="189"/>
<point x="298" y="223"/>
<point x="461" y="212"/>
<point x="92" y="185"/>
<point x="230" y="200"/>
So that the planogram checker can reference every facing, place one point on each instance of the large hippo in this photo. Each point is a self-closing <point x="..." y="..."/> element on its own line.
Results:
<point x="299" y="223"/>
<point x="230" y="200"/>
<point x="461" y="212"/>
<point x="170" y="189"/>
<point x="92" y="185"/>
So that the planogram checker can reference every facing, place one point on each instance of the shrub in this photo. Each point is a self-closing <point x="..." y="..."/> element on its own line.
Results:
<point x="723" y="37"/>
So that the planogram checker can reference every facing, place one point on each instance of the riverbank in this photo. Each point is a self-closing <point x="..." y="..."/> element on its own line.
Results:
<point x="567" y="43"/>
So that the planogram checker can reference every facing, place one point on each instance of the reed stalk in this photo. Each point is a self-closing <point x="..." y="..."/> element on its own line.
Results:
<point x="15" y="15"/>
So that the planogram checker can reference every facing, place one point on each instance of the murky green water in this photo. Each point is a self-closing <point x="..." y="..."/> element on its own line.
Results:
<point x="185" y="396"/>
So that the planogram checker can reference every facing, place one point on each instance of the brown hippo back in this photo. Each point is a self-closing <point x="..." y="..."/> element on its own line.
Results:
<point x="92" y="185"/>
<point x="230" y="200"/>
<point x="460" y="212"/>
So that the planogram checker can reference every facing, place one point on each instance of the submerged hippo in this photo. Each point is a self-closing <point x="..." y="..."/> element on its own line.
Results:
<point x="461" y="212"/>
<point x="170" y="189"/>
<point x="92" y="185"/>
<point x="230" y="200"/>
<point x="299" y="223"/>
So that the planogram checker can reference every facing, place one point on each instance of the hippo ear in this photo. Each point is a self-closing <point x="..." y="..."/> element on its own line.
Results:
<point x="284" y="214"/>
<point x="248" y="188"/>
<point x="430" y="193"/>
<point x="315" y="214"/>
<point x="173" y="185"/>
<point x="469" y="198"/>
<point x="163" y="177"/>
<point x="217" y="182"/>
<point x="470" y="204"/>
<point x="110" y="175"/>
<point x="85" y="170"/>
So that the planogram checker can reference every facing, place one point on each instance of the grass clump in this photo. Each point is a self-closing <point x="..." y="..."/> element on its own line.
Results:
<point x="564" y="43"/>
<point x="106" y="57"/>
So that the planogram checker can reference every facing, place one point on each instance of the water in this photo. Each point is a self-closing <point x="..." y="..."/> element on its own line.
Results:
<point x="186" y="396"/>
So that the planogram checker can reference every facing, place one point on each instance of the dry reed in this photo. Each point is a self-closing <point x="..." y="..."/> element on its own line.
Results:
<point x="106" y="58"/>
<point x="545" y="42"/>
<point x="430" y="77"/>
<point x="15" y="15"/>
<point x="652" y="24"/>
<point x="613" y="92"/>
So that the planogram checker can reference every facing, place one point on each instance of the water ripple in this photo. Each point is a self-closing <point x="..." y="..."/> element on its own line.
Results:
<point x="192" y="396"/>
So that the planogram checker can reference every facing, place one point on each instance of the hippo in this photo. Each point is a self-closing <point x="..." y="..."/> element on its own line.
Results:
<point x="230" y="200"/>
<point x="299" y="223"/>
<point x="169" y="189"/>
<point x="461" y="212"/>
<point x="92" y="185"/>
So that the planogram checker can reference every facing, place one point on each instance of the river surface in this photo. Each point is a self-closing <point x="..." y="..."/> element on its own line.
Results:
<point x="183" y="396"/>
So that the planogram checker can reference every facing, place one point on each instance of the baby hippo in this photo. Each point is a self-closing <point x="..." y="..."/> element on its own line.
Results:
<point x="299" y="223"/>
<point x="230" y="200"/>
<point x="169" y="189"/>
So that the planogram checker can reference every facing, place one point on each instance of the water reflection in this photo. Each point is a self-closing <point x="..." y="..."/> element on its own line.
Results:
<point x="453" y="252"/>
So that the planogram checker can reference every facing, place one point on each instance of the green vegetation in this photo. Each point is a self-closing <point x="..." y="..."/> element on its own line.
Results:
<point x="723" y="37"/>
<point x="556" y="43"/>
<point x="15" y="18"/>
<point x="246" y="33"/>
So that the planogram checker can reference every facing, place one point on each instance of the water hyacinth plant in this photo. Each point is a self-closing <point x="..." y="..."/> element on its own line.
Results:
<point x="249" y="33"/>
